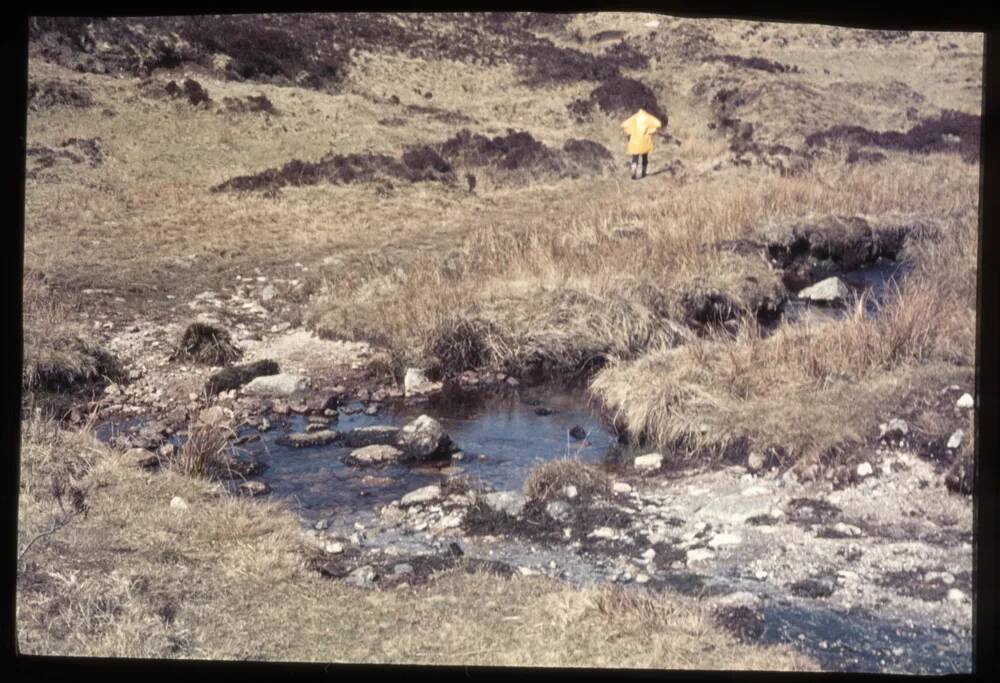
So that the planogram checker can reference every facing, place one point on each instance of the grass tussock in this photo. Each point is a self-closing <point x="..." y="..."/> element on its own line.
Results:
<point x="119" y="584"/>
<point x="207" y="344"/>
<point x="205" y="453"/>
<point x="59" y="354"/>
<point x="547" y="481"/>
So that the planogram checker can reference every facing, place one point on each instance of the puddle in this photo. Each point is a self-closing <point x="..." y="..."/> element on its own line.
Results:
<point x="878" y="281"/>
<point x="503" y="438"/>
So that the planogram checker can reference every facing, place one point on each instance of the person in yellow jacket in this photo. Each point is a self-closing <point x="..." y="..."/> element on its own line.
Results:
<point x="640" y="128"/>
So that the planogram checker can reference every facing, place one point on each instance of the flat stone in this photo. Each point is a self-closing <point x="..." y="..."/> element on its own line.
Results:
<point x="402" y="568"/>
<point x="966" y="401"/>
<point x="829" y="290"/>
<point x="621" y="487"/>
<point x="308" y="439"/>
<point x="865" y="469"/>
<point x="605" y="532"/>
<point x="699" y="555"/>
<point x="334" y="547"/>
<point x="362" y="576"/>
<point x="649" y="462"/>
<point x="570" y="491"/>
<point x="510" y="502"/>
<point x="374" y="455"/>
<point x="724" y="539"/>
<point x="421" y="495"/>
<point x="282" y="384"/>
<point x="178" y="503"/>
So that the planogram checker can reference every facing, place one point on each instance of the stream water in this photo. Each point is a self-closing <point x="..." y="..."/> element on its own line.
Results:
<point x="502" y="438"/>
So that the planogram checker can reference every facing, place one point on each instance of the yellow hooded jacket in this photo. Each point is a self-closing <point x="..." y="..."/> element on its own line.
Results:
<point x="640" y="128"/>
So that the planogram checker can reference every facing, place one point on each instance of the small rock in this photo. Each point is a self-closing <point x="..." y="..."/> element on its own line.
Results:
<point x="253" y="488"/>
<point x="570" y="491"/>
<point x="268" y="293"/>
<point x="371" y="410"/>
<point x="760" y="575"/>
<point x="699" y="555"/>
<point x="894" y="429"/>
<point x="649" y="462"/>
<point x="830" y="290"/>
<point x="642" y="578"/>
<point x="334" y="547"/>
<point x="510" y="502"/>
<point x="416" y="383"/>
<point x="557" y="510"/>
<point x="957" y="596"/>
<point x="621" y="487"/>
<point x="755" y="462"/>
<point x="865" y="469"/>
<point x="281" y="384"/>
<point x="956" y="439"/>
<point x="264" y="425"/>
<point x="846" y="530"/>
<point x="649" y="554"/>
<point x="512" y="381"/>
<point x="578" y="432"/>
<point x="362" y="576"/>
<point x="966" y="401"/>
<point x="423" y="438"/>
<point x="178" y="503"/>
<point x="374" y="455"/>
<point x="421" y="495"/>
<point x="322" y="525"/>
<point x="402" y="568"/>
<point x="605" y="532"/>
<point x="724" y="539"/>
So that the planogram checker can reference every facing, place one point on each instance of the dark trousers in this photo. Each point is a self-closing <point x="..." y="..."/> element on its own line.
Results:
<point x="635" y="162"/>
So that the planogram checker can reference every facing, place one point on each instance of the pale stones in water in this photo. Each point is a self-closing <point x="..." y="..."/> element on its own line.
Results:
<point x="649" y="462"/>
<point x="374" y="455"/>
<point x="308" y="439"/>
<point x="421" y="495"/>
<point x="416" y="383"/>
<point x="282" y="384"/>
<point x="828" y="291"/>
<point x="423" y="438"/>
<point x="509" y="502"/>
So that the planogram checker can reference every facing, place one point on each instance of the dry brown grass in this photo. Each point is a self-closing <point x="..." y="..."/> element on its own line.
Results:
<point x="59" y="352"/>
<point x="809" y="389"/>
<point x="228" y="579"/>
